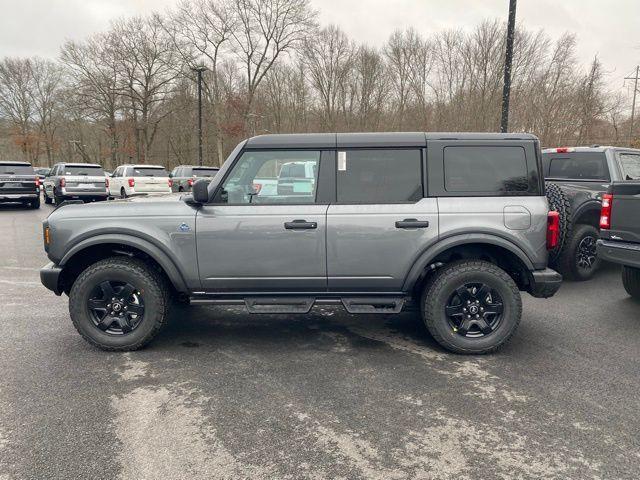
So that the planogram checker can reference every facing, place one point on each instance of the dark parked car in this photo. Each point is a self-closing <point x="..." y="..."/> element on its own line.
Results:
<point x="184" y="176"/>
<point x="620" y="232"/>
<point x="19" y="183"/>
<point x="584" y="174"/>
<point x="82" y="181"/>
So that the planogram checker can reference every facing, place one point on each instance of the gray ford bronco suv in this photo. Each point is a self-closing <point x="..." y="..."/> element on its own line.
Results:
<point x="454" y="224"/>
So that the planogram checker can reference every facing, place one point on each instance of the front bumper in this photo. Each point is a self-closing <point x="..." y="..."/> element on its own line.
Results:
<point x="544" y="283"/>
<point x="18" y="197"/>
<point x="624" y="253"/>
<point x="50" y="277"/>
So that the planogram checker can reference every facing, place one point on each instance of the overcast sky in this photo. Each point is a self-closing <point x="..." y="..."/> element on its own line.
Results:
<point x="608" y="28"/>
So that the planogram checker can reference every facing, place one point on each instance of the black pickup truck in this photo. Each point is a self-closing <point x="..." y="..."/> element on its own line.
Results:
<point x="584" y="174"/>
<point x="19" y="183"/>
<point x="620" y="232"/>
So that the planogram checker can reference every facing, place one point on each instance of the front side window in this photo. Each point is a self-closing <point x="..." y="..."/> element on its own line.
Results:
<point x="264" y="177"/>
<point x="485" y="169"/>
<point x="630" y="166"/>
<point x="379" y="176"/>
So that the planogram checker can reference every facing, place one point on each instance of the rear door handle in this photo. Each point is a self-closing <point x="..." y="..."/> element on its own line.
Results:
<point x="300" y="225"/>
<point x="412" y="223"/>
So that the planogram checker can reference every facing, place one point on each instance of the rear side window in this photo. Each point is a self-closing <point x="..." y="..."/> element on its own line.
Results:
<point x="150" y="172"/>
<point x="379" y="176"/>
<point x="17" y="169"/>
<point x="577" y="166"/>
<point x="82" y="170"/>
<point x="630" y="163"/>
<point x="485" y="169"/>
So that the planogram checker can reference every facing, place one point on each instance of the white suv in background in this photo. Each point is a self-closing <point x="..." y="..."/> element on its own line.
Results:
<point x="130" y="180"/>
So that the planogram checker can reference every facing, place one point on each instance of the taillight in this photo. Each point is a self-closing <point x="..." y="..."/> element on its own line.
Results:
<point x="37" y="182"/>
<point x="132" y="182"/>
<point x="564" y="150"/>
<point x="63" y="182"/>
<point x="605" y="212"/>
<point x="106" y="182"/>
<point x="190" y="182"/>
<point x="257" y="187"/>
<point x="170" y="183"/>
<point x="553" y="230"/>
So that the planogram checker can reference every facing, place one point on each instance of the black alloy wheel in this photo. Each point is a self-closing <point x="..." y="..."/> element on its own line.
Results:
<point x="586" y="254"/>
<point x="474" y="310"/>
<point x="116" y="308"/>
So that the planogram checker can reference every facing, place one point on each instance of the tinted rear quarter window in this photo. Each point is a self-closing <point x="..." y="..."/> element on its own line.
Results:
<point x="10" y="169"/>
<point x="485" y="169"/>
<point x="576" y="166"/>
<point x="380" y="176"/>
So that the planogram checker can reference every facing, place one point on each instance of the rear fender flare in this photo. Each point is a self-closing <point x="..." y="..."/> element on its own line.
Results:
<point x="432" y="252"/>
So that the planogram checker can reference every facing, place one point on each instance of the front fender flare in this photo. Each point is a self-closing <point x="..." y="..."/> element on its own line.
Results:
<point x="167" y="264"/>
<point x="433" y="251"/>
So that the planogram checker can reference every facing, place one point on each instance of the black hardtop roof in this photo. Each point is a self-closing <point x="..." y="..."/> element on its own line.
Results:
<point x="9" y="162"/>
<point x="372" y="139"/>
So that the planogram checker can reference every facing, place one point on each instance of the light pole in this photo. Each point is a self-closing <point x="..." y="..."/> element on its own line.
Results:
<point x="506" y="91"/>
<point x="199" y="70"/>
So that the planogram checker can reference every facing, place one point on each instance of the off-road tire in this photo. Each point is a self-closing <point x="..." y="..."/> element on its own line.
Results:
<point x="123" y="193"/>
<point x="631" y="281"/>
<point x="567" y="264"/>
<point x="442" y="285"/>
<point x="154" y="290"/>
<point x="559" y="202"/>
<point x="35" y="204"/>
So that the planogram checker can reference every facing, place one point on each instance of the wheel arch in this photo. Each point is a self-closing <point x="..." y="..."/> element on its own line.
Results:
<point x="588" y="213"/>
<point x="495" y="249"/>
<point x="95" y="248"/>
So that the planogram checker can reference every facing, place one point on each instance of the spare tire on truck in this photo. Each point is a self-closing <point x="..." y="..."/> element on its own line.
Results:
<point x="559" y="202"/>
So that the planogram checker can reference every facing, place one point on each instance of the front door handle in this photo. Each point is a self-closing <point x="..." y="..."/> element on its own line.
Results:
<point x="300" y="225"/>
<point x="412" y="223"/>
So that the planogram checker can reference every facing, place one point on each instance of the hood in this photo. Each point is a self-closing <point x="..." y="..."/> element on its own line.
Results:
<point x="134" y="207"/>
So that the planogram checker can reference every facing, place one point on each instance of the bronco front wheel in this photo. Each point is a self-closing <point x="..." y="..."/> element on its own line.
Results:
<point x="119" y="304"/>
<point x="471" y="306"/>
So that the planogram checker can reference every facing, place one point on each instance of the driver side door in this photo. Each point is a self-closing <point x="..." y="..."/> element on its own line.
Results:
<point x="252" y="238"/>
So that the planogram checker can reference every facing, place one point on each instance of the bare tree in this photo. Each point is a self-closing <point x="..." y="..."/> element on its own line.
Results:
<point x="266" y="30"/>
<point x="16" y="86"/>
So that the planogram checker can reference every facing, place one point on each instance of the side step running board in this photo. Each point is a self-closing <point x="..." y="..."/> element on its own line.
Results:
<point x="279" y="304"/>
<point x="373" y="304"/>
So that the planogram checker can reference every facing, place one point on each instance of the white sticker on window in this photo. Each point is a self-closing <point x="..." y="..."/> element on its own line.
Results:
<point x="342" y="161"/>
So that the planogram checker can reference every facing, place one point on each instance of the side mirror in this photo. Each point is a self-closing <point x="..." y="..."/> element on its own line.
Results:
<point x="200" y="191"/>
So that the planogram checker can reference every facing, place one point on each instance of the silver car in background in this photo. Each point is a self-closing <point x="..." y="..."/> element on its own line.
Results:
<point x="77" y="181"/>
<point x="183" y="176"/>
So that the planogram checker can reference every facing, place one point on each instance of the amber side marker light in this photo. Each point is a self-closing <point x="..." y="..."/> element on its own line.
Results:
<point x="47" y="236"/>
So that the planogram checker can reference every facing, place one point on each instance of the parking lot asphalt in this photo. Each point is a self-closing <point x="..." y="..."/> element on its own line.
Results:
<point x="223" y="394"/>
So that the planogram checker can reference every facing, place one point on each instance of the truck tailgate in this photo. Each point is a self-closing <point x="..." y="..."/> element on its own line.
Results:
<point x="625" y="214"/>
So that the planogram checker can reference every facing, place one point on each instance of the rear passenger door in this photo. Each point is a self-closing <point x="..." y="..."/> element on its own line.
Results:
<point x="381" y="219"/>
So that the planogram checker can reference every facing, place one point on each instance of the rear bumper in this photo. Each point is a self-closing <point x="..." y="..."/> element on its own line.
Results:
<point x="18" y="197"/>
<point x="50" y="277"/>
<point x="545" y="283"/>
<point x="624" y="253"/>
<point x="82" y="195"/>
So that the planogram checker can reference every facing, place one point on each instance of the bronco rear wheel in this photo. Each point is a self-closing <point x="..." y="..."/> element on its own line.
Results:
<point x="471" y="307"/>
<point x="631" y="281"/>
<point x="119" y="304"/>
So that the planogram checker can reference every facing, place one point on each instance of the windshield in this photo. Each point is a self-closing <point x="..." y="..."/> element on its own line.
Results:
<point x="205" y="172"/>
<point x="18" y="169"/>
<point x="83" y="170"/>
<point x="150" y="172"/>
<point x="630" y="165"/>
